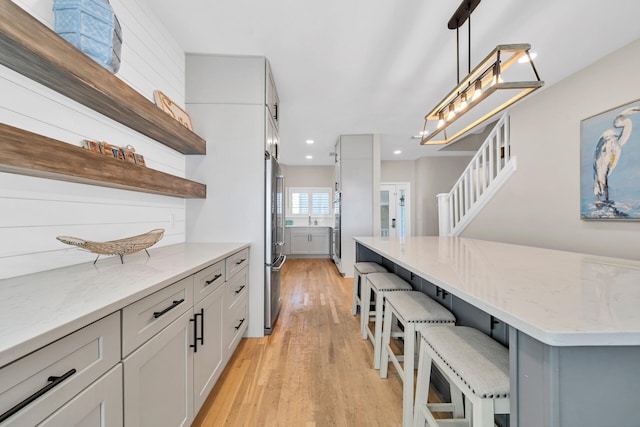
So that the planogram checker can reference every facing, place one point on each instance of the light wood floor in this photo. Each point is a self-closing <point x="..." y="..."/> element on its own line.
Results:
<point x="314" y="370"/>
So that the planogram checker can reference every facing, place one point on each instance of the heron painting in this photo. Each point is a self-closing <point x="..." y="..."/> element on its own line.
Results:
<point x="610" y="164"/>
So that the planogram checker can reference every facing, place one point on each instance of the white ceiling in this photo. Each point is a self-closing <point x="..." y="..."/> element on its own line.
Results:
<point x="378" y="66"/>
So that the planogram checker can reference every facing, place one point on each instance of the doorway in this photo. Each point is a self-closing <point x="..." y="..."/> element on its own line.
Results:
<point x="395" y="209"/>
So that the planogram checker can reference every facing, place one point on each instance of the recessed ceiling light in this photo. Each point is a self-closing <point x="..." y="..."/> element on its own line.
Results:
<point x="309" y="141"/>
<point x="420" y="135"/>
<point x="397" y="152"/>
<point x="309" y="157"/>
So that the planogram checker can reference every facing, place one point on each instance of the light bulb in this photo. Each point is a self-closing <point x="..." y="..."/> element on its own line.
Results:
<point x="452" y="112"/>
<point x="463" y="102"/>
<point x="477" y="91"/>
<point x="441" y="119"/>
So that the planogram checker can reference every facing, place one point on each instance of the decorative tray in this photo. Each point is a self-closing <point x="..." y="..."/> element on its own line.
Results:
<point x="120" y="247"/>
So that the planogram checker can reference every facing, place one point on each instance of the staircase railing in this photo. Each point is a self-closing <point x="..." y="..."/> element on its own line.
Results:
<point x="487" y="171"/>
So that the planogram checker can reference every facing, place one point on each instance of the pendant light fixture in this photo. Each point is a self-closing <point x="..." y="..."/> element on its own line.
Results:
<point x="487" y="79"/>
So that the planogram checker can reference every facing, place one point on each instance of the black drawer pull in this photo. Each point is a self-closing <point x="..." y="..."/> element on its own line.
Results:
<point x="239" y="324"/>
<point x="240" y="289"/>
<point x="157" y="314"/>
<point x="216" y="277"/>
<point x="53" y="382"/>
<point x="241" y="261"/>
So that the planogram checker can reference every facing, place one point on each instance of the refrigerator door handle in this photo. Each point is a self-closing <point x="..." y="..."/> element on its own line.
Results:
<point x="278" y="265"/>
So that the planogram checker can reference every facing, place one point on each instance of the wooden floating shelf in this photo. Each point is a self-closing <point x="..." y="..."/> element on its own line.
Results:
<point x="26" y="153"/>
<point x="32" y="49"/>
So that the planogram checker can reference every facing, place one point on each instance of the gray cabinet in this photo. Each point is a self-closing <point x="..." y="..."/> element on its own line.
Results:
<point x="308" y="241"/>
<point x="158" y="378"/>
<point x="208" y="359"/>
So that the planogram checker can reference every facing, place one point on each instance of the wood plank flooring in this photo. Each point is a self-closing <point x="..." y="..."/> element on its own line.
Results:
<point x="314" y="370"/>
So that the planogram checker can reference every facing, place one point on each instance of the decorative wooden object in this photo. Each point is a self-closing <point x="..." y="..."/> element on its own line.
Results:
<point x="172" y="109"/>
<point x="121" y="247"/>
<point x="27" y="153"/>
<point x="30" y="48"/>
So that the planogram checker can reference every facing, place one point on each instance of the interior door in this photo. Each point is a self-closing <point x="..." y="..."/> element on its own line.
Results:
<point x="395" y="210"/>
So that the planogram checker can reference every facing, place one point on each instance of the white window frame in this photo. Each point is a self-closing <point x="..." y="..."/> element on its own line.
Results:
<point x="309" y="190"/>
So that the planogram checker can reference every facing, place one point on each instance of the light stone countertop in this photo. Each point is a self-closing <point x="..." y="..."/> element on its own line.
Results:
<point x="559" y="298"/>
<point x="39" y="308"/>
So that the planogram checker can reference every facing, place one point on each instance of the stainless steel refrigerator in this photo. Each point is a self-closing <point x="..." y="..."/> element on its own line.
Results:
<point x="274" y="241"/>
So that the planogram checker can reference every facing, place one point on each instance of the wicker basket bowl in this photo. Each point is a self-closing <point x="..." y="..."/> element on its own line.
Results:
<point x="121" y="247"/>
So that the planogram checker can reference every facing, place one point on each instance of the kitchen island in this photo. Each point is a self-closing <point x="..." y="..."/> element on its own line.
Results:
<point x="572" y="320"/>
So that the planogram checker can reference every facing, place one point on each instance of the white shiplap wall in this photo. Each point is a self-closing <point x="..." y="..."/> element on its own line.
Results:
<point x="34" y="211"/>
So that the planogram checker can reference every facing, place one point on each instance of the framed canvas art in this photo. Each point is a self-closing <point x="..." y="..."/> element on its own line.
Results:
<point x="610" y="164"/>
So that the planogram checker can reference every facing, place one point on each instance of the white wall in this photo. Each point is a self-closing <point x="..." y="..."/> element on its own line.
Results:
<point x="35" y="211"/>
<point x="540" y="205"/>
<point x="434" y="175"/>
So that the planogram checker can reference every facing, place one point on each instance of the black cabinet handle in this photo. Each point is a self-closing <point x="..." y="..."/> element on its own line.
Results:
<point x="216" y="277"/>
<point x="157" y="314"/>
<point x="494" y="322"/>
<point x="53" y="382"/>
<point x="240" y="289"/>
<point x="439" y="291"/>
<point x="239" y="324"/>
<point x="194" y="346"/>
<point x="241" y="261"/>
<point x="201" y="326"/>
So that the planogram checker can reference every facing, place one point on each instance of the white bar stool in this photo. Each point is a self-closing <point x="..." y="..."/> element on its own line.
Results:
<point x="380" y="284"/>
<point x="415" y="311"/>
<point x="360" y="270"/>
<point x="477" y="364"/>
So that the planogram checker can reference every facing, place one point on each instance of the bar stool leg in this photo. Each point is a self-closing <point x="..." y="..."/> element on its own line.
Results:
<point x="358" y="283"/>
<point x="456" y="400"/>
<point x="377" y="346"/>
<point x="365" y="307"/>
<point x="483" y="413"/>
<point x="386" y="340"/>
<point x="422" y="388"/>
<point x="407" y="384"/>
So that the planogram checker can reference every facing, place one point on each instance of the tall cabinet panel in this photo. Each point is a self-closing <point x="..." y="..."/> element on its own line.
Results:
<point x="226" y="97"/>
<point x="358" y="169"/>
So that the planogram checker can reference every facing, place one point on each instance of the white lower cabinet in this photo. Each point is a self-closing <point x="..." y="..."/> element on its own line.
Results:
<point x="309" y="241"/>
<point x="208" y="356"/>
<point x="152" y="363"/>
<point x="319" y="241"/>
<point x="99" y="405"/>
<point x="158" y="378"/>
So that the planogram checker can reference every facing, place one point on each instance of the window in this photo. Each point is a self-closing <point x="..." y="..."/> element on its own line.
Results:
<point x="304" y="201"/>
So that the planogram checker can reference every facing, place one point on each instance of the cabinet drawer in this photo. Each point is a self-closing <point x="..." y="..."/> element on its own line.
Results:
<point x="99" y="405"/>
<point x="148" y="316"/>
<point x="237" y="287"/>
<point x="77" y="360"/>
<point x="236" y="322"/>
<point x="236" y="262"/>
<point x="208" y="280"/>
